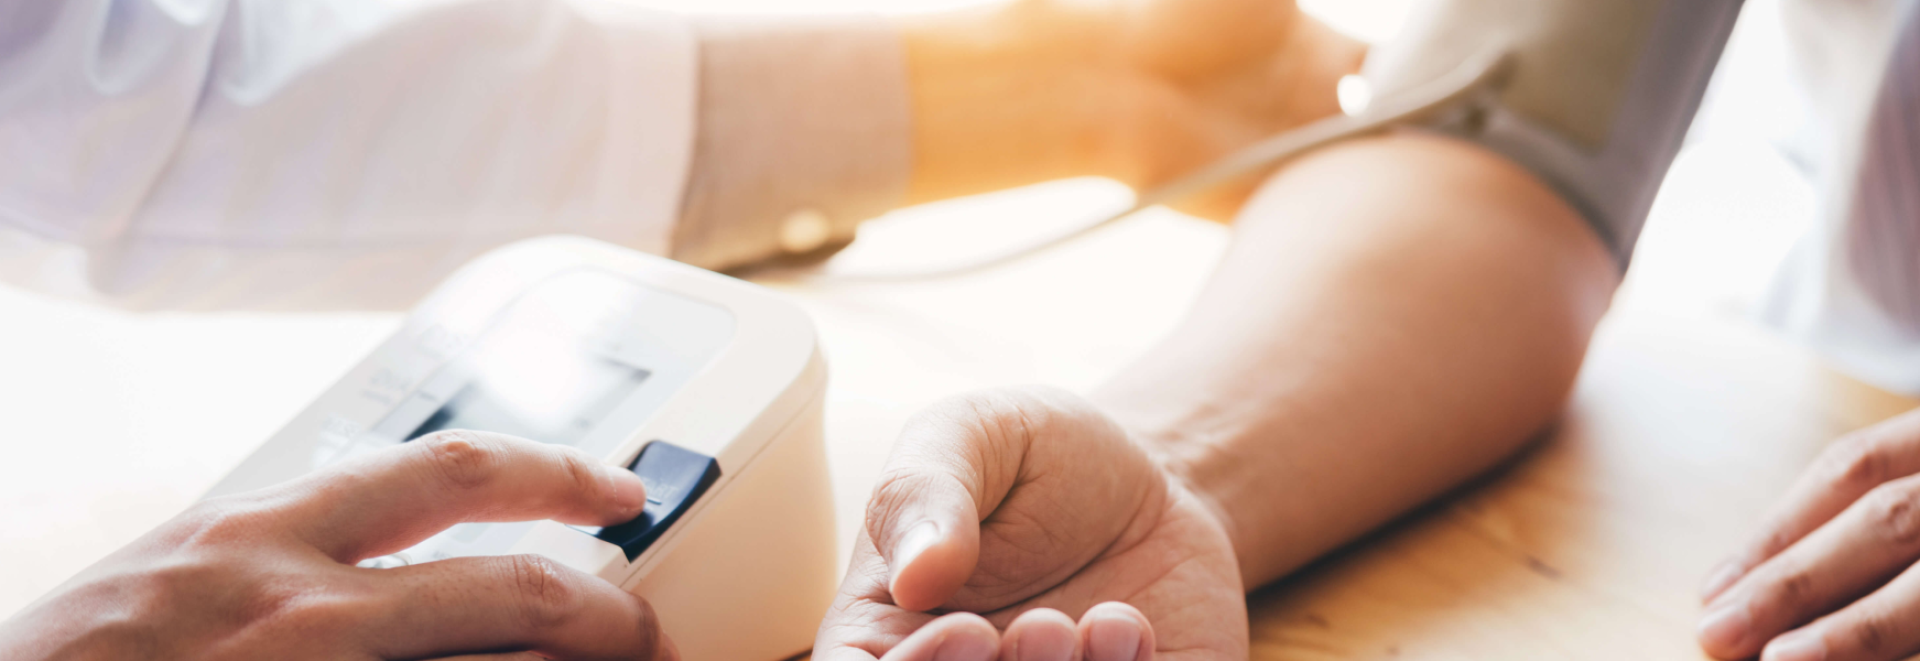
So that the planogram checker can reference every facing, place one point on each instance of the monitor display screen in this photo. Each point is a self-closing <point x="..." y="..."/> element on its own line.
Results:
<point x="560" y="404"/>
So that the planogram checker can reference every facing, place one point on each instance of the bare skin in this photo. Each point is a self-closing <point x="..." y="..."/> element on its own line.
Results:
<point x="1032" y="512"/>
<point x="1405" y="296"/>
<point x="1138" y="91"/>
<point x="270" y="574"/>
<point x="1830" y="576"/>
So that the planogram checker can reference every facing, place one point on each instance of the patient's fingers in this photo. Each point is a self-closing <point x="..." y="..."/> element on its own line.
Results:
<point x="1871" y="541"/>
<point x="863" y="623"/>
<point x="1037" y="463"/>
<point x="1041" y="634"/>
<point x="1114" y="631"/>
<point x="1848" y="469"/>
<point x="1876" y="628"/>
<point x="393" y="499"/>
<point x="924" y="518"/>
<point x="955" y="637"/>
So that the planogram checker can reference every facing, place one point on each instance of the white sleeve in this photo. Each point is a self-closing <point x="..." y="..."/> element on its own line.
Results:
<point x="278" y="154"/>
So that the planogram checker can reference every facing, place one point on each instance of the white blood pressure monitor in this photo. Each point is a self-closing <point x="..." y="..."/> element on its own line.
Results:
<point x="710" y="388"/>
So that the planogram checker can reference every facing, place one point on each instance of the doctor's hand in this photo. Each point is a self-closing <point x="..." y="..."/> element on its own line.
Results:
<point x="270" y="574"/>
<point x="1213" y="76"/>
<point x="1833" y="575"/>
<point x="1141" y="91"/>
<point x="1025" y="525"/>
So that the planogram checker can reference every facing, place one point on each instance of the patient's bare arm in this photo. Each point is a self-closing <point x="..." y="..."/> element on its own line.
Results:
<point x="1395" y="315"/>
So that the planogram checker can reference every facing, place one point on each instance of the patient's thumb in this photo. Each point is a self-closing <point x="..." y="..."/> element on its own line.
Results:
<point x="925" y="527"/>
<point x="924" y="518"/>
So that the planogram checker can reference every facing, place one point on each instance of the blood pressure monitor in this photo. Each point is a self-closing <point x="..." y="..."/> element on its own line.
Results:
<point x="709" y="388"/>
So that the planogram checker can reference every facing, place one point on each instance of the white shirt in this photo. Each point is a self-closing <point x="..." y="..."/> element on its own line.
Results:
<point x="323" y="153"/>
<point x="1845" y="54"/>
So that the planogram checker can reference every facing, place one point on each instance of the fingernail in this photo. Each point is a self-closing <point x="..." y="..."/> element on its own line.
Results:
<point x="1044" y="644"/>
<point x="912" y="544"/>
<point x="1722" y="576"/>
<point x="628" y="491"/>
<point x="962" y="647"/>
<point x="1724" y="629"/>
<point x="1113" y="637"/>
<point x="1800" y="646"/>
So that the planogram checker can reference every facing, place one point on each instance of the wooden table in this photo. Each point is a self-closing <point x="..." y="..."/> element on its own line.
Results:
<point x="1594" y="543"/>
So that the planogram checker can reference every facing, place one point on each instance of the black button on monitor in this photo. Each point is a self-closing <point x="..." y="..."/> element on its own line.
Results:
<point x="675" y="478"/>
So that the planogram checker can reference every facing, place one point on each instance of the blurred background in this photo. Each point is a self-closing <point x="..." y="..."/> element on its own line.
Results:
<point x="110" y="416"/>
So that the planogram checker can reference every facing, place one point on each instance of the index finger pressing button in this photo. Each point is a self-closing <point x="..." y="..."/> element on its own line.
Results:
<point x="675" y="477"/>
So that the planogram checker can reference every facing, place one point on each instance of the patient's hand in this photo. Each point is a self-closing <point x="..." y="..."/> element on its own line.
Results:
<point x="270" y="574"/>
<point x="1044" y="533"/>
<point x="1832" y="576"/>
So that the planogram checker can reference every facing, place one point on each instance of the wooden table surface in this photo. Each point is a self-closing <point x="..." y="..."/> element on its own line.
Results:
<point x="1593" y="544"/>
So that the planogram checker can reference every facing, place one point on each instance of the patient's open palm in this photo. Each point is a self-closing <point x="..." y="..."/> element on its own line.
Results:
<point x="1036" y="511"/>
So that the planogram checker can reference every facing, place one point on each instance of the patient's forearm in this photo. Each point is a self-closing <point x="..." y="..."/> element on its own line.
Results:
<point x="1395" y="316"/>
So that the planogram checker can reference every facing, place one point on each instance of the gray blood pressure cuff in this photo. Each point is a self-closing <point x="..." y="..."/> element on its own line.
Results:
<point x="1598" y="98"/>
